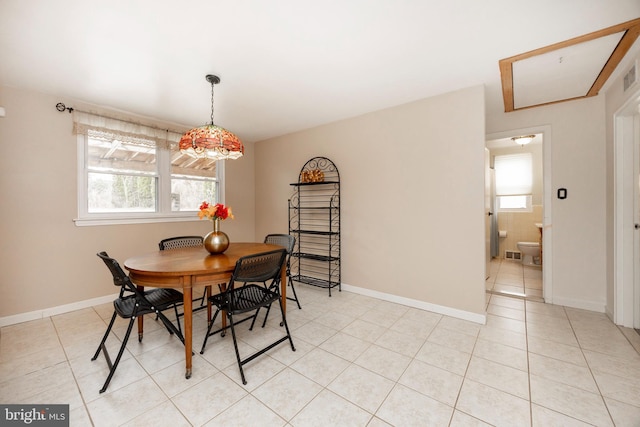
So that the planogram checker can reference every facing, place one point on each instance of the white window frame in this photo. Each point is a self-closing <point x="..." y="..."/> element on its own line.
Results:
<point x="163" y="211"/>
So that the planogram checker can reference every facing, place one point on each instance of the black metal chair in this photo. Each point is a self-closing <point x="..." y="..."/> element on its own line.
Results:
<point x="246" y="292"/>
<point x="180" y="242"/>
<point x="185" y="242"/>
<point x="132" y="303"/>
<point x="288" y="241"/>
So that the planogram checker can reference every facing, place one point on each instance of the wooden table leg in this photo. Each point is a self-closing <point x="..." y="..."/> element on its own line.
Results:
<point x="187" y="293"/>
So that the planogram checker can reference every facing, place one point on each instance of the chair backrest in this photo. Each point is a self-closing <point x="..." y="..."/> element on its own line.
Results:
<point x="286" y="240"/>
<point x="120" y="278"/>
<point x="263" y="267"/>
<point x="180" y="242"/>
<point x="129" y="291"/>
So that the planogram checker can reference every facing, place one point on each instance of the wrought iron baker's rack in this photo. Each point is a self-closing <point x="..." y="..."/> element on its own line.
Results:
<point x="314" y="220"/>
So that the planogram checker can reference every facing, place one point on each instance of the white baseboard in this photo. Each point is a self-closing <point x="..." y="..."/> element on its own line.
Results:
<point x="581" y="304"/>
<point x="52" y="311"/>
<point x="422" y="305"/>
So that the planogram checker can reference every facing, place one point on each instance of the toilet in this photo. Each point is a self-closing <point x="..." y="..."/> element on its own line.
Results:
<point x="530" y="253"/>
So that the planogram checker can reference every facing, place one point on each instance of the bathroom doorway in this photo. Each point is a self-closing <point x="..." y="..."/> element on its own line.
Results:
<point x="520" y="219"/>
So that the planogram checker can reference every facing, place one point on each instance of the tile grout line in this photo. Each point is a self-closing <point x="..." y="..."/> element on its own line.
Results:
<point x="526" y="340"/>
<point x="604" y="402"/>
<point x="68" y="362"/>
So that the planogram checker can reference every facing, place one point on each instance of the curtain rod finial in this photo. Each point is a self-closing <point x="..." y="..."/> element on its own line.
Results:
<point x="61" y="107"/>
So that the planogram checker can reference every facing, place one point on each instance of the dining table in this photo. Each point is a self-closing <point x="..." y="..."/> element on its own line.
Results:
<point x="188" y="268"/>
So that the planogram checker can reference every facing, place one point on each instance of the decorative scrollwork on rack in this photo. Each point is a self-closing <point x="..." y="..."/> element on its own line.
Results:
<point x="319" y="169"/>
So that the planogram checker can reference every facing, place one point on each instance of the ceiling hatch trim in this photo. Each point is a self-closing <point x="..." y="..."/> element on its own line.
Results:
<point x="628" y="31"/>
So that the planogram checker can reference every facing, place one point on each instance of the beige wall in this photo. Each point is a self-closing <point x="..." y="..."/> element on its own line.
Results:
<point x="428" y="201"/>
<point x="411" y="196"/>
<point x="579" y="267"/>
<point x="45" y="259"/>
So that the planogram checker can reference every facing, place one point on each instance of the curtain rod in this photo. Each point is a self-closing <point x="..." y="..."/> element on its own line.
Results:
<point x="61" y="107"/>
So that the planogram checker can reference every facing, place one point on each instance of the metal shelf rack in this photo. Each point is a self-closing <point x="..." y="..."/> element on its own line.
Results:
<point x="314" y="220"/>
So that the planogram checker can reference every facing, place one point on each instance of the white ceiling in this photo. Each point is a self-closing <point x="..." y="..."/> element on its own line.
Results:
<point x="285" y="65"/>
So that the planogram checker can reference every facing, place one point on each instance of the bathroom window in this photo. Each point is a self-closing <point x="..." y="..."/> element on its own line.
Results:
<point x="514" y="203"/>
<point x="514" y="182"/>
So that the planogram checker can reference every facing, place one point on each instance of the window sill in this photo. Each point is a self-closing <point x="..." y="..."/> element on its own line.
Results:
<point x="89" y="222"/>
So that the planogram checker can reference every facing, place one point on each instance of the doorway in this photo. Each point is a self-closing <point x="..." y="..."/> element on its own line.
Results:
<point x="626" y="292"/>
<point x="507" y="275"/>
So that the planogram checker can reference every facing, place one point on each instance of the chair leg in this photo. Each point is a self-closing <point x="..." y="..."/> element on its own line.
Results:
<point x="175" y="308"/>
<point x="206" y="337"/>
<point x="286" y="327"/>
<point x="115" y="363"/>
<point x="235" y="346"/>
<point x="295" y="297"/>
<point x="255" y="316"/>
<point x="104" y="339"/>
<point x="170" y="326"/>
<point x="266" y="316"/>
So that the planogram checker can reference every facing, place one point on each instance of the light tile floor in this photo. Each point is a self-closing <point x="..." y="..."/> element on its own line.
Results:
<point x="359" y="362"/>
<point x="509" y="277"/>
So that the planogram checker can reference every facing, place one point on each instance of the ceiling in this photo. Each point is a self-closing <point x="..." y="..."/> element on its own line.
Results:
<point x="284" y="66"/>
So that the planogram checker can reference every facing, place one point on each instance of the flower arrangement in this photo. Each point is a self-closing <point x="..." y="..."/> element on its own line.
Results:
<point x="214" y="212"/>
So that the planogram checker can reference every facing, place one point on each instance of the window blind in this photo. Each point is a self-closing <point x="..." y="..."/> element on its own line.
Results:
<point x="513" y="174"/>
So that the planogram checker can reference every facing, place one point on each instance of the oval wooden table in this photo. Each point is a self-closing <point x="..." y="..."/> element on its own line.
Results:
<point x="187" y="268"/>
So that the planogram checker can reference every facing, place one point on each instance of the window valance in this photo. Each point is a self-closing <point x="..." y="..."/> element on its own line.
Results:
<point x="109" y="128"/>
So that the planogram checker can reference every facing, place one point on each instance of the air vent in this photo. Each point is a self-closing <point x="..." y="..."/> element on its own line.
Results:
<point x="514" y="255"/>
<point x="630" y="78"/>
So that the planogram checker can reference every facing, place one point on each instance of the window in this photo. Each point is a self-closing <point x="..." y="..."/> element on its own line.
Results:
<point x="514" y="203"/>
<point x="514" y="182"/>
<point x="192" y="181"/>
<point x="139" y="175"/>
<point x="121" y="176"/>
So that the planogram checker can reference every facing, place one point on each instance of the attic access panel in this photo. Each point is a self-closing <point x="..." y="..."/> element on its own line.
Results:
<point x="573" y="69"/>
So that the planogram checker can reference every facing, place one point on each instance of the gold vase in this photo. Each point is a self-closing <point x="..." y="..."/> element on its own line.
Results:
<point x="216" y="242"/>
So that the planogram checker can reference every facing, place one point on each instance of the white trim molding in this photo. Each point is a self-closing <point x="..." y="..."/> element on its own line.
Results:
<point x="422" y="305"/>
<point x="53" y="311"/>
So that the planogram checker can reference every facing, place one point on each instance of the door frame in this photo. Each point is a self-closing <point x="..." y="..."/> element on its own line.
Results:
<point x="547" y="230"/>
<point x="626" y="240"/>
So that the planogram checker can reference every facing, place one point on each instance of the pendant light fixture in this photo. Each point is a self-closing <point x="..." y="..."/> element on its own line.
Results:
<point x="211" y="141"/>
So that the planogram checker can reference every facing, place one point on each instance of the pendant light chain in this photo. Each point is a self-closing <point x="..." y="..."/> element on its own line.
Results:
<point x="212" y="85"/>
<point x="211" y="141"/>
